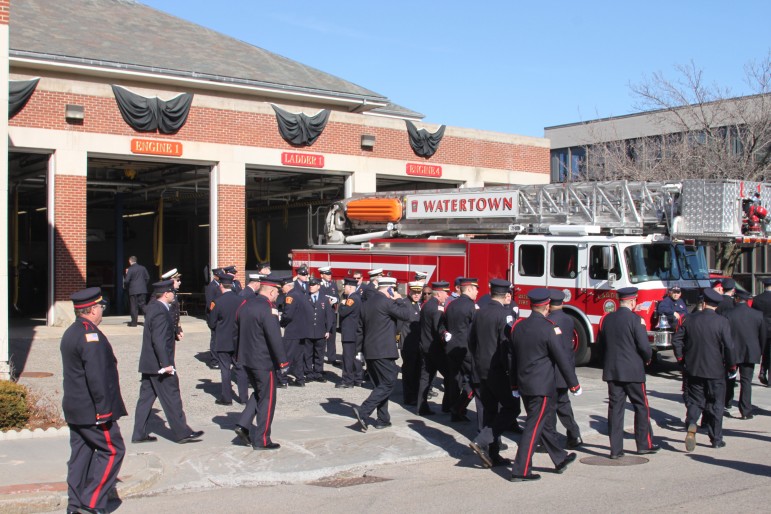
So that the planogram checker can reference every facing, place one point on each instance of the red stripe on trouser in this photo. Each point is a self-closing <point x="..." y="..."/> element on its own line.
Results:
<point x="648" y="411"/>
<point x="267" y="420"/>
<point x="107" y="469"/>
<point x="532" y="439"/>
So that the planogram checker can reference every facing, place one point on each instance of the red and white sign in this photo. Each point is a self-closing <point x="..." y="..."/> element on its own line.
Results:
<point x="501" y="204"/>
<point x="155" y="147"/>
<point x="305" y="160"/>
<point x="424" y="170"/>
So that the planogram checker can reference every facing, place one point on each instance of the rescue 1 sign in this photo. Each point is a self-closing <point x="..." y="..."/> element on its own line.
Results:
<point x="462" y="205"/>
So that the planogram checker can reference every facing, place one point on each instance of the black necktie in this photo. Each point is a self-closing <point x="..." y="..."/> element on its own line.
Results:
<point x="314" y="298"/>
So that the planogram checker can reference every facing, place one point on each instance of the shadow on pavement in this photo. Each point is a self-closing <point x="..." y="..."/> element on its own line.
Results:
<point x="745" y="467"/>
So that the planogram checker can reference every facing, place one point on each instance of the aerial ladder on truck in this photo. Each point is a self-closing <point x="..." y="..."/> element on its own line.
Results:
<point x="650" y="235"/>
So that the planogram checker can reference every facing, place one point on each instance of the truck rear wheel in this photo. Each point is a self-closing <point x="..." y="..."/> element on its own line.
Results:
<point x="581" y="350"/>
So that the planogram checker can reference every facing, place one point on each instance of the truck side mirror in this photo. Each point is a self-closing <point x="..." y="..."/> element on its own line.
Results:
<point x="607" y="258"/>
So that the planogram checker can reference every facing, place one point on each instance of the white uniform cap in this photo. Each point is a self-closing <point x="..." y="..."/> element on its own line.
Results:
<point x="325" y="269"/>
<point x="169" y="274"/>
<point x="386" y="282"/>
<point x="255" y="277"/>
<point x="375" y="272"/>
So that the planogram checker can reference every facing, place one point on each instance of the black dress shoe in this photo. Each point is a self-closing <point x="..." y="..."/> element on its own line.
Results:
<point x="213" y="365"/>
<point x="269" y="446"/>
<point x="222" y="402"/>
<point x="562" y="466"/>
<point x="87" y="510"/>
<point x="282" y="386"/>
<point x="718" y="444"/>
<point x="243" y="435"/>
<point x="653" y="449"/>
<point x="297" y="384"/>
<point x="411" y="402"/>
<point x="358" y="384"/>
<point x="748" y="416"/>
<point x="616" y="456"/>
<point x="194" y="437"/>
<point x="525" y="478"/>
<point x="432" y="393"/>
<point x="238" y="400"/>
<point x="540" y="448"/>
<point x="575" y="443"/>
<point x="499" y="461"/>
<point x="362" y="423"/>
<point x="426" y="412"/>
<point x="343" y="386"/>
<point x="516" y="428"/>
<point x="320" y="379"/>
<point x="145" y="439"/>
<point x="455" y="418"/>
<point x="381" y="424"/>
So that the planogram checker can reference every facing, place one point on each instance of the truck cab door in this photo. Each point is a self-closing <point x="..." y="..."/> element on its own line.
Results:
<point x="603" y="277"/>
<point x="529" y="272"/>
<point x="567" y="270"/>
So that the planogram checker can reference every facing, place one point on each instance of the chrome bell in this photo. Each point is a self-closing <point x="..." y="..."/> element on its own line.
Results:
<point x="663" y="323"/>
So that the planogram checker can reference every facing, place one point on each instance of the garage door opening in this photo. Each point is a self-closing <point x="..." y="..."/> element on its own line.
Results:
<point x="156" y="211"/>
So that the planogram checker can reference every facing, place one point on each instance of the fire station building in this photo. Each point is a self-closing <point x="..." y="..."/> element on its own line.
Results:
<point x="133" y="132"/>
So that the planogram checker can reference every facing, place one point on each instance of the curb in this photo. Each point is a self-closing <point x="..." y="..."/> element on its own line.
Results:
<point x="37" y="433"/>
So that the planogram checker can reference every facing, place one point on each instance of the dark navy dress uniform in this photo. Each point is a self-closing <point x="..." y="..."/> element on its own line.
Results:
<point x="158" y="348"/>
<point x="135" y="282"/>
<point x="222" y="320"/>
<point x="211" y="293"/>
<point x="409" y="337"/>
<point x="704" y="345"/>
<point x="330" y="290"/>
<point x="748" y="330"/>
<point x="459" y="316"/>
<point x="669" y="306"/>
<point x="376" y="339"/>
<point x="537" y="348"/>
<point x="296" y="319"/>
<point x="319" y="328"/>
<point x="261" y="352"/>
<point x="92" y="405"/>
<point x="624" y="339"/>
<point x="433" y="358"/>
<point x="564" y="408"/>
<point x="247" y="293"/>
<point x="762" y="303"/>
<point x="350" y="311"/>
<point x="490" y="347"/>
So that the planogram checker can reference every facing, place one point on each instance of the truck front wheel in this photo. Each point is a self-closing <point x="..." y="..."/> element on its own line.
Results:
<point x="581" y="350"/>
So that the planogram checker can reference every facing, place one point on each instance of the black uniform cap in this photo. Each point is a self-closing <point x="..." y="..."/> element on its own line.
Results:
<point x="743" y="295"/>
<point x="227" y="278"/>
<point x="302" y="271"/>
<point x="440" y="286"/>
<point x="767" y="281"/>
<point x="230" y="269"/>
<point x="274" y="280"/>
<point x="350" y="281"/>
<point x="627" y="293"/>
<point x="539" y="296"/>
<point x="285" y="280"/>
<point x="265" y="264"/>
<point x="557" y="297"/>
<point x="87" y="297"/>
<point x="466" y="281"/>
<point x="499" y="286"/>
<point x="313" y="281"/>
<point x="728" y="284"/>
<point x="164" y="286"/>
<point x="711" y="296"/>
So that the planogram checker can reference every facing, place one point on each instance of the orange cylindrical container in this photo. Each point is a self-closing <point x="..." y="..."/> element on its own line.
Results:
<point x="374" y="209"/>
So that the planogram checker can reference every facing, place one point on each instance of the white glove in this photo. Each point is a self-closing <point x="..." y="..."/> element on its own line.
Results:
<point x="359" y="357"/>
<point x="732" y="374"/>
<point x="332" y="300"/>
<point x="447" y="337"/>
<point x="163" y="371"/>
<point x="515" y="393"/>
<point x="577" y="392"/>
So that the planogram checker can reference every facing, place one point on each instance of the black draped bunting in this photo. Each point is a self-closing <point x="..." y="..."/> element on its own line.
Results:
<point x="300" y="129"/>
<point x="150" y="114"/>
<point x="423" y="143"/>
<point x="19" y="92"/>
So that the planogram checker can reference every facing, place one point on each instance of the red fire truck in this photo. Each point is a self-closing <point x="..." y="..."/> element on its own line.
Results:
<point x="587" y="239"/>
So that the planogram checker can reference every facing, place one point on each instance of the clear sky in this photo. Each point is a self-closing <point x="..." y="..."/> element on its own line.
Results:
<point x="500" y="65"/>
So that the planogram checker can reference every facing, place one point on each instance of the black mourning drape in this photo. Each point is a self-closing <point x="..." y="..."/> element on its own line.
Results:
<point x="150" y="114"/>
<point x="423" y="143"/>
<point x="300" y="129"/>
<point x="19" y="92"/>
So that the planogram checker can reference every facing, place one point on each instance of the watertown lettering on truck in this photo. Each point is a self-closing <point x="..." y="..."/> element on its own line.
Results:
<point x="470" y="205"/>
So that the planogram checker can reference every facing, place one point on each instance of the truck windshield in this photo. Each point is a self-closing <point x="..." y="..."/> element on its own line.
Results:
<point x="665" y="262"/>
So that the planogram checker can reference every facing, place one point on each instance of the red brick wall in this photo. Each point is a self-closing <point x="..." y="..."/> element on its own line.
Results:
<point x="5" y="11"/>
<point x="45" y="109"/>
<point x="69" y="236"/>
<point x="231" y="228"/>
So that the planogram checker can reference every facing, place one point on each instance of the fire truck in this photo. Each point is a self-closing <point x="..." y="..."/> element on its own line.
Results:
<point x="586" y="239"/>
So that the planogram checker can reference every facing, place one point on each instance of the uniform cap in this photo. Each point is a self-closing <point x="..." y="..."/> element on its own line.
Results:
<point x="216" y="271"/>
<point x="457" y="280"/>
<point x="386" y="281"/>
<point x="716" y="283"/>
<point x="220" y="274"/>
<point x="350" y="281"/>
<point x="314" y="281"/>
<point x="284" y="280"/>
<point x="375" y="272"/>
<point x="627" y="293"/>
<point x="415" y="286"/>
<point x="230" y="269"/>
<point x="711" y="296"/>
<point x="675" y="289"/>
<point x="539" y="296"/>
<point x="466" y="281"/>
<point x="557" y="297"/>
<point x="265" y="264"/>
<point x="172" y="273"/>
<point x="303" y="271"/>
<point x="767" y="281"/>
<point x="743" y="295"/>
<point x="273" y="280"/>
<point x="440" y="286"/>
<point x="87" y="298"/>
<point x="227" y="278"/>
<point x="420" y="275"/>
<point x="499" y="286"/>
<point x="326" y="270"/>
<point x="164" y="286"/>
<point x="255" y="277"/>
<point x="728" y="284"/>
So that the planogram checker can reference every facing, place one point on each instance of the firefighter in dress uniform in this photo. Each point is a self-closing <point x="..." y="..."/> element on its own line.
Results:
<point x="350" y="310"/>
<point x="490" y="346"/>
<point x="704" y="346"/>
<point x="159" y="375"/>
<point x="135" y="282"/>
<point x="261" y="352"/>
<point x="433" y="358"/>
<point x="409" y="339"/>
<point x="537" y="348"/>
<point x="624" y="341"/>
<point x="748" y="329"/>
<point x="376" y="342"/>
<point x="762" y="303"/>
<point x="252" y="286"/>
<point x="370" y="288"/>
<point x="564" y="409"/>
<point x="329" y="289"/>
<point x="222" y="320"/>
<point x="92" y="405"/>
<point x="728" y="292"/>
<point x="672" y="306"/>
<point x="211" y="293"/>
<point x="231" y="270"/>
<point x="287" y="284"/>
<point x="295" y="319"/>
<point x="319" y="324"/>
<point x="458" y="317"/>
